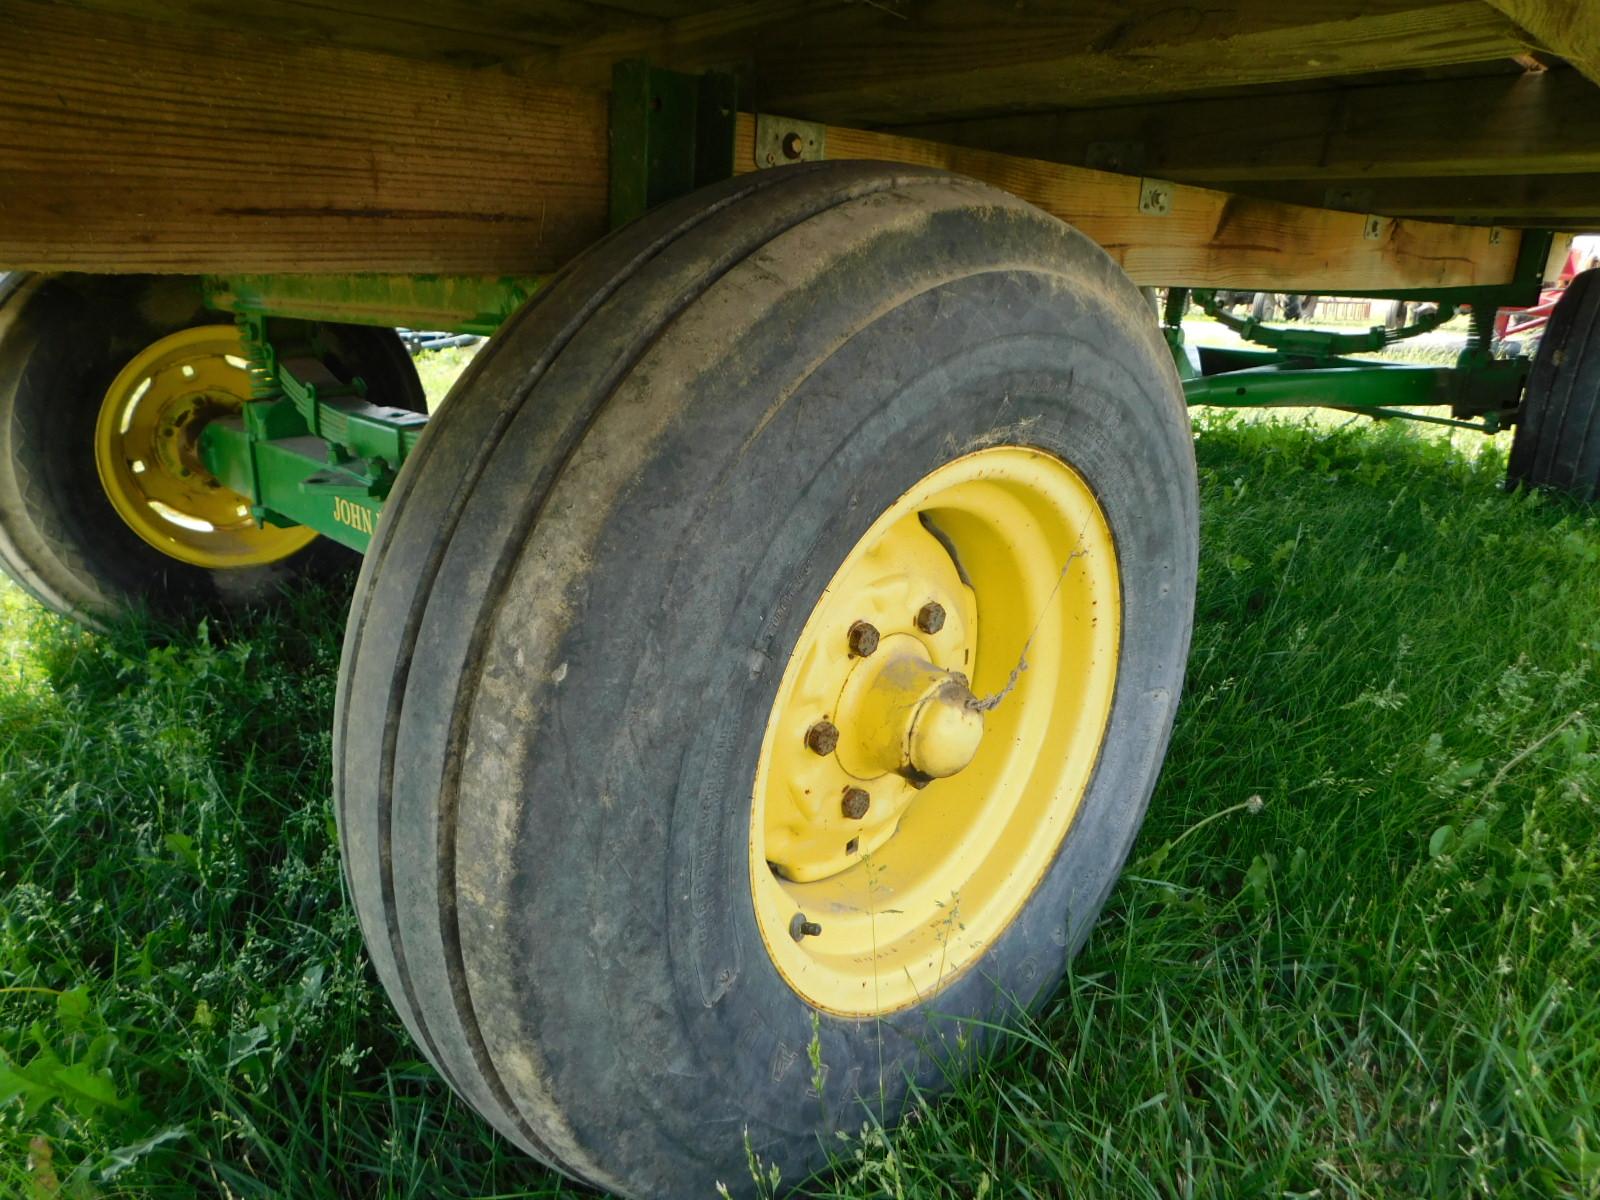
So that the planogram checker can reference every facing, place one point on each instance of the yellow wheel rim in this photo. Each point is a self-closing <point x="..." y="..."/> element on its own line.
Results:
<point x="146" y="447"/>
<point x="934" y="732"/>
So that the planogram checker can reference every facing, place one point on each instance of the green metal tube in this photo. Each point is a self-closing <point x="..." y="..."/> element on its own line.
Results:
<point x="459" y="303"/>
<point x="1333" y="387"/>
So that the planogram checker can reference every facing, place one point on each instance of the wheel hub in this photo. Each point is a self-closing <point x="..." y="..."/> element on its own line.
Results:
<point x="898" y="821"/>
<point x="147" y="450"/>
<point x="900" y="713"/>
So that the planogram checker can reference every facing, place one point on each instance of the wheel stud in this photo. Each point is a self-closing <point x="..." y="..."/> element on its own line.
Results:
<point x="800" y="928"/>
<point x="863" y="639"/>
<point x="930" y="617"/>
<point x="855" y="803"/>
<point x="823" y="737"/>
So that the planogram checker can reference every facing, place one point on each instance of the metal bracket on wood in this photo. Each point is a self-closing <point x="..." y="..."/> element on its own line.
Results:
<point x="1155" y="197"/>
<point x="781" y="141"/>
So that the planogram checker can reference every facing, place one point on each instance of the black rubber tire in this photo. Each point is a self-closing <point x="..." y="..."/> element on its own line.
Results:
<point x="62" y="341"/>
<point x="1556" y="444"/>
<point x="576" y="611"/>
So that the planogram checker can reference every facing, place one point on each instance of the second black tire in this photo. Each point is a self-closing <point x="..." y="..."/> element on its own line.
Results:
<point x="1556" y="444"/>
<point x="63" y="340"/>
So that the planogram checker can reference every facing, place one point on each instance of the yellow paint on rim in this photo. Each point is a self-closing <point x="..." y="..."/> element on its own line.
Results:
<point x="969" y="744"/>
<point x="146" y="448"/>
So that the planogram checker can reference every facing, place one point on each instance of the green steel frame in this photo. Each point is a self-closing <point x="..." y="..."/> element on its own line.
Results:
<point x="308" y="449"/>
<point x="1310" y="367"/>
<point x="477" y="304"/>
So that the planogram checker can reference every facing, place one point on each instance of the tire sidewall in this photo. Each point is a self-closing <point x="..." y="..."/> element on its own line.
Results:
<point x="769" y="474"/>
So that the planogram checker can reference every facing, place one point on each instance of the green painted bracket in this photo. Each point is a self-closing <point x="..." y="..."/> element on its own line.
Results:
<point x="670" y="134"/>
<point x="309" y="449"/>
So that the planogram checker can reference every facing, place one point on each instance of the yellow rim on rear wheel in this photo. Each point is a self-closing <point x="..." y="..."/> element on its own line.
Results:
<point x="934" y="732"/>
<point x="146" y="447"/>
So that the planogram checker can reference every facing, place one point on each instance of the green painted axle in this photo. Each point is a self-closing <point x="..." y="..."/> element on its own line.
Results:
<point x="309" y="449"/>
<point x="1331" y="387"/>
<point x="477" y="304"/>
<point x="336" y="483"/>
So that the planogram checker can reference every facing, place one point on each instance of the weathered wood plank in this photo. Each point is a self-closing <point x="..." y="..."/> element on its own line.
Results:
<point x="1208" y="239"/>
<point x="1570" y="28"/>
<point x="1559" y="201"/>
<point x="299" y="159"/>
<point x="893" y="63"/>
<point x="464" y="32"/>
<point x="1538" y="122"/>
<point x="128" y="146"/>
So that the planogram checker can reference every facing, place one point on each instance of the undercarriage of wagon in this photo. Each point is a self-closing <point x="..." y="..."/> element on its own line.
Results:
<point x="813" y="542"/>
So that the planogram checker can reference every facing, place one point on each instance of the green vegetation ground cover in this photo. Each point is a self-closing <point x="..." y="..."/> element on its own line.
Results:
<point x="1355" y="952"/>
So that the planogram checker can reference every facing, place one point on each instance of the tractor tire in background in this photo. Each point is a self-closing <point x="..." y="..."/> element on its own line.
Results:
<point x="1395" y="314"/>
<point x="105" y="382"/>
<point x="1299" y="307"/>
<point x="762" y="667"/>
<point x="1556" y="444"/>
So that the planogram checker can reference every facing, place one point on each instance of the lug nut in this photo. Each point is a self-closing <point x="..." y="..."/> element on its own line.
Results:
<point x="823" y="737"/>
<point x="855" y="803"/>
<point x="930" y="617"/>
<point x="800" y="928"/>
<point x="863" y="639"/>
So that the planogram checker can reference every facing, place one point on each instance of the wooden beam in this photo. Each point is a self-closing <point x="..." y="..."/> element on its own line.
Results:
<point x="1207" y="238"/>
<point x="891" y="62"/>
<point x="463" y="32"/>
<point x="317" y="160"/>
<point x="1545" y="201"/>
<point x="1570" y="28"/>
<point x="129" y="146"/>
<point x="1535" y="123"/>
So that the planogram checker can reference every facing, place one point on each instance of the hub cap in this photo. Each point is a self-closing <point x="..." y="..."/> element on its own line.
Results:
<point x="147" y="450"/>
<point x="915" y="784"/>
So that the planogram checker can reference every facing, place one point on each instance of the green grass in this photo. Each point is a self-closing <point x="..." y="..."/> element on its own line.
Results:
<point x="1355" y="953"/>
<point x="439" y="369"/>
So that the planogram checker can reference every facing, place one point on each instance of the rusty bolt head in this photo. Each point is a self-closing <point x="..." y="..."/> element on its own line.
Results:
<point x="855" y="803"/>
<point x="863" y="639"/>
<point x="823" y="737"/>
<point x="930" y="617"/>
<point x="800" y="928"/>
<point x="793" y="145"/>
